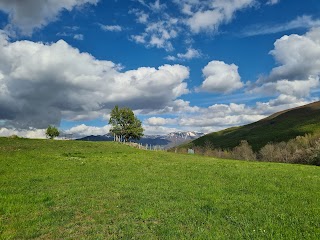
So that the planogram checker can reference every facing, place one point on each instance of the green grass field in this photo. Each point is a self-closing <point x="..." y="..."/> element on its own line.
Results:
<point x="82" y="190"/>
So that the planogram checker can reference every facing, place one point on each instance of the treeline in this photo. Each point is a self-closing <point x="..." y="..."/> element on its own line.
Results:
<point x="302" y="150"/>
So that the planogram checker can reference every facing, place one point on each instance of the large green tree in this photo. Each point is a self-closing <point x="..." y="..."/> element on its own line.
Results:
<point x="125" y="124"/>
<point x="52" y="132"/>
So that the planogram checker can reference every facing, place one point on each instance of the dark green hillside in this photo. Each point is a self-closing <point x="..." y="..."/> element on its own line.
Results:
<point x="281" y="126"/>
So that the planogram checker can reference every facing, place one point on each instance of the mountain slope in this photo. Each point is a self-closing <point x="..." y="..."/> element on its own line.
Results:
<point x="281" y="126"/>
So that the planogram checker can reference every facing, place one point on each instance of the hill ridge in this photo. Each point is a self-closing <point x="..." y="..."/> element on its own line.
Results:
<point x="280" y="126"/>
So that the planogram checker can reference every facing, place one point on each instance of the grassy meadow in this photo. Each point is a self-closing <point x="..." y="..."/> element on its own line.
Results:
<point x="100" y="190"/>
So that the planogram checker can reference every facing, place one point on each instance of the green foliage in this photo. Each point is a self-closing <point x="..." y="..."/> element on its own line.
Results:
<point x="279" y="127"/>
<point x="52" y="132"/>
<point x="103" y="190"/>
<point x="125" y="124"/>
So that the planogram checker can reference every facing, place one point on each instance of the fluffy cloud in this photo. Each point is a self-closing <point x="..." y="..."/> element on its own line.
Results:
<point x="298" y="56"/>
<point x="143" y="18"/>
<point x="299" y="89"/>
<point x="222" y="116"/>
<point x="158" y="121"/>
<point x="159" y="31"/>
<point x="42" y="83"/>
<point x="213" y="118"/>
<point x="190" y="54"/>
<point x="294" y="88"/>
<point x="221" y="123"/>
<point x="221" y="77"/>
<point x="178" y="106"/>
<point x="158" y="130"/>
<point x="79" y="37"/>
<point x="74" y="132"/>
<point x="282" y="102"/>
<point x="27" y="133"/>
<point x="30" y="14"/>
<point x="84" y="130"/>
<point x="159" y="34"/>
<point x="162" y="29"/>
<point x="209" y="15"/>
<point x="296" y="77"/>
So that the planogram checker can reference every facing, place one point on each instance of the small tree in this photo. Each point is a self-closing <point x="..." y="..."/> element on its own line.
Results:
<point x="125" y="124"/>
<point x="52" y="132"/>
<point x="244" y="151"/>
<point x="267" y="153"/>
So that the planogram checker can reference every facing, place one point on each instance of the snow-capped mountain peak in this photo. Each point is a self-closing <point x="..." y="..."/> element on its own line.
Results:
<point x="185" y="135"/>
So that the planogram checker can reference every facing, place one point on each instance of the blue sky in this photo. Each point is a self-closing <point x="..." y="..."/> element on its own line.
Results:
<point x="185" y="65"/>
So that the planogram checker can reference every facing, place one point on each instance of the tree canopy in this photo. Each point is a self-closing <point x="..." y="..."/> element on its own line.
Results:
<point x="52" y="132"/>
<point x="125" y="124"/>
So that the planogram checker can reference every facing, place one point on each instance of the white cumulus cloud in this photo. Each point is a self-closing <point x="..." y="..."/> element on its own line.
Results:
<point x="298" y="70"/>
<point x="221" y="77"/>
<point x="158" y="130"/>
<point x="158" y="121"/>
<point x="27" y="15"/>
<point x="26" y="133"/>
<point x="293" y="89"/>
<point x="84" y="130"/>
<point x="297" y="55"/>
<point x="42" y="83"/>
<point x="190" y="54"/>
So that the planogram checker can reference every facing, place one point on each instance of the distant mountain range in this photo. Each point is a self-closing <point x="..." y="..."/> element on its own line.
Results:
<point x="281" y="126"/>
<point x="163" y="141"/>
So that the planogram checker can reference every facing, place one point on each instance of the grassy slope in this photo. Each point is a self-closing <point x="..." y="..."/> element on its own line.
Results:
<point x="81" y="190"/>
<point x="281" y="126"/>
